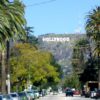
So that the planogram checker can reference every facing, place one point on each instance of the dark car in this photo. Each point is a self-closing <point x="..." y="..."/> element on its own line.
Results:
<point x="97" y="94"/>
<point x="1" y="97"/>
<point x="69" y="92"/>
<point x="14" y="96"/>
<point x="22" y="96"/>
<point x="5" y="97"/>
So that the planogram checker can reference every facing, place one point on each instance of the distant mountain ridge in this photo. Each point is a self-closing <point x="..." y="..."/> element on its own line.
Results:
<point x="61" y="50"/>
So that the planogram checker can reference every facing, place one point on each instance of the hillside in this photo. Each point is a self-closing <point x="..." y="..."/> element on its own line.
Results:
<point x="61" y="46"/>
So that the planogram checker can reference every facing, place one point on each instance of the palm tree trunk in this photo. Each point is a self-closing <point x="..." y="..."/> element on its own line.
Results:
<point x="98" y="71"/>
<point x="7" y="65"/>
<point x="3" y="72"/>
<point x="7" y="56"/>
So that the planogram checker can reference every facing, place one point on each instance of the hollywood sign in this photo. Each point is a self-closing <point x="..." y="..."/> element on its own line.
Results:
<point x="56" y="39"/>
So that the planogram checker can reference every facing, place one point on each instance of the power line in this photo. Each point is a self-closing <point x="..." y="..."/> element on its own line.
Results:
<point x="40" y="3"/>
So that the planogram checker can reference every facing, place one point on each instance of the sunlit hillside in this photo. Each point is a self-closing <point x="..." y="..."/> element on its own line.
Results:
<point x="62" y="50"/>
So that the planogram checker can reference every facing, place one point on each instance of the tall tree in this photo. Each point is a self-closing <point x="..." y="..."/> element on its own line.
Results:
<point x="93" y="31"/>
<point x="30" y="38"/>
<point x="93" y="28"/>
<point x="12" y="23"/>
<point x="79" y="55"/>
<point x="28" y="30"/>
<point x="35" y="66"/>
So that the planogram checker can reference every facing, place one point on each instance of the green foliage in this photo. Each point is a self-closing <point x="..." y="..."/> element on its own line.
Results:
<point x="93" y="29"/>
<point x="12" y="20"/>
<point x="93" y="24"/>
<point x="91" y="64"/>
<point x="12" y="23"/>
<point x="30" y="38"/>
<point x="72" y="81"/>
<point x="93" y="32"/>
<point x="84" y="65"/>
<point x="79" y="55"/>
<point x="29" y="64"/>
<point x="90" y="72"/>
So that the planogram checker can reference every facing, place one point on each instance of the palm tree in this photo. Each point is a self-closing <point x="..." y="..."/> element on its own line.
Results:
<point x="93" y="31"/>
<point x="28" y="30"/>
<point x="12" y="23"/>
<point x="30" y="38"/>
<point x="93" y="24"/>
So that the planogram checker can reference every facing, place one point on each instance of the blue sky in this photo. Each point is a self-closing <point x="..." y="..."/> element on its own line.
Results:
<point x="58" y="16"/>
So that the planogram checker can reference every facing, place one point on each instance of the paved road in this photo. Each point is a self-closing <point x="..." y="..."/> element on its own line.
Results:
<point x="63" y="97"/>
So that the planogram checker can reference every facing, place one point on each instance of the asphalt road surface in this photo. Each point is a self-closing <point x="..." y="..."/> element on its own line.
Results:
<point x="63" y="97"/>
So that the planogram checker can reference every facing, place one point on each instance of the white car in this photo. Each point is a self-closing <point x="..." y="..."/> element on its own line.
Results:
<point x="36" y="93"/>
<point x="93" y="94"/>
<point x="30" y="95"/>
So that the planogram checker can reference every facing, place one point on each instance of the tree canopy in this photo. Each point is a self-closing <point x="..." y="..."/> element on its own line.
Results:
<point x="12" y="23"/>
<point x="31" y="65"/>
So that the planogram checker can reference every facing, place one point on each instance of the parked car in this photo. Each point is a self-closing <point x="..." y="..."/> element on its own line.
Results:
<point x="30" y="95"/>
<point x="87" y="94"/>
<point x="14" y="96"/>
<point x="76" y="92"/>
<point x="1" y="97"/>
<point x="36" y="93"/>
<point x="93" y="94"/>
<point x="55" y="92"/>
<point x="22" y="96"/>
<point x="97" y="94"/>
<point x="7" y="97"/>
<point x="42" y="93"/>
<point x="69" y="92"/>
<point x="82" y="93"/>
